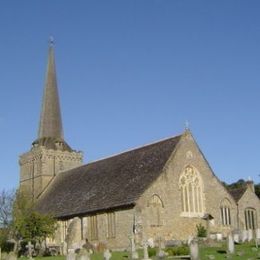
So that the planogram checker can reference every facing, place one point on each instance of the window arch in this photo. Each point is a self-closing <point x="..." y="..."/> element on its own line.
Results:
<point x="250" y="218"/>
<point x="225" y="206"/>
<point x="155" y="206"/>
<point x="191" y="187"/>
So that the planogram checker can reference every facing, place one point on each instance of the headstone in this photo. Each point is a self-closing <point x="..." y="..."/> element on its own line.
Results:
<point x="236" y="238"/>
<point x="71" y="255"/>
<point x="64" y="248"/>
<point x="146" y="255"/>
<point x="11" y="256"/>
<point x="30" y="248"/>
<point x="83" y="255"/>
<point x="194" y="250"/>
<point x="230" y="245"/>
<point x="219" y="236"/>
<point x="134" y="254"/>
<point x="244" y="236"/>
<point x="249" y="235"/>
<point x="161" y="253"/>
<point x="107" y="255"/>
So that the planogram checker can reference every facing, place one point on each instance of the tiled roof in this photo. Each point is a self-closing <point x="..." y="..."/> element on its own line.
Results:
<point x="117" y="181"/>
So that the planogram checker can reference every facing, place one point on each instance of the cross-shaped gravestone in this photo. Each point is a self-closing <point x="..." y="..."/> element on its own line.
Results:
<point x="30" y="248"/>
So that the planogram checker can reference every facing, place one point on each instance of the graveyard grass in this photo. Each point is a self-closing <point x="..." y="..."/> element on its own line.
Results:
<point x="247" y="250"/>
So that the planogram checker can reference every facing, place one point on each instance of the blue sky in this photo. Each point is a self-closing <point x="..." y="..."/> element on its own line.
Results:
<point x="132" y="72"/>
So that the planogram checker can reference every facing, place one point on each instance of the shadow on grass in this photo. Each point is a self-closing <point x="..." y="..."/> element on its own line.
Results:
<point x="221" y="251"/>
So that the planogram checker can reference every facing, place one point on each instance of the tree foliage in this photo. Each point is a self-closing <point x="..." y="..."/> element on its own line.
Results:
<point x="6" y="207"/>
<point x="28" y="224"/>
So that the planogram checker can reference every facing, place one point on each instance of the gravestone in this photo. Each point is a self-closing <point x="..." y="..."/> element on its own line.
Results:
<point x="257" y="237"/>
<point x="71" y="255"/>
<point x="63" y="248"/>
<point x="30" y="248"/>
<point x="146" y="255"/>
<point x="230" y="245"/>
<point x="161" y="253"/>
<point x="11" y="256"/>
<point x="236" y="238"/>
<point x="83" y="255"/>
<point x="134" y="254"/>
<point x="244" y="236"/>
<point x="219" y="236"/>
<point x="107" y="255"/>
<point x="249" y="235"/>
<point x="194" y="250"/>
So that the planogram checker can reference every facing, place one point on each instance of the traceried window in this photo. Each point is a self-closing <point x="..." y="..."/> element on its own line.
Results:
<point x="191" y="187"/>
<point x="111" y="225"/>
<point x="250" y="218"/>
<point x="155" y="205"/>
<point x="225" y="206"/>
<point x="93" y="227"/>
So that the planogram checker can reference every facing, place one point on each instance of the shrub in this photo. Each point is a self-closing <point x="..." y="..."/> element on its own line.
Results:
<point x="175" y="251"/>
<point x="201" y="231"/>
<point x="151" y="252"/>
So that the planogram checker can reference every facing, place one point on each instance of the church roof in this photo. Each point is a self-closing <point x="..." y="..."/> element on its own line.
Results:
<point x="110" y="183"/>
<point x="237" y="193"/>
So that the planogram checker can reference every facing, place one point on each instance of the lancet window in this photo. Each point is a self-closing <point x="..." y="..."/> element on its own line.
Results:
<point x="250" y="218"/>
<point x="155" y="205"/>
<point x="225" y="206"/>
<point x="191" y="187"/>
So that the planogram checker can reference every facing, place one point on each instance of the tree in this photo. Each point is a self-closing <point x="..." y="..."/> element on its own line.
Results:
<point x="6" y="207"/>
<point x="28" y="224"/>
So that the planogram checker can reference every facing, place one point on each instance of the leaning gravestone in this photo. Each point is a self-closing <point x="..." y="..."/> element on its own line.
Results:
<point x="107" y="255"/>
<point x="230" y="245"/>
<point x="194" y="250"/>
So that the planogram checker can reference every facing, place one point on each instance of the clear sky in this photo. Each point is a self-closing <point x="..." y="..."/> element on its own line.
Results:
<point x="132" y="72"/>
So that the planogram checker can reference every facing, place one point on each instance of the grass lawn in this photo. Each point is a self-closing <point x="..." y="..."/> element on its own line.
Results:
<point x="244" y="251"/>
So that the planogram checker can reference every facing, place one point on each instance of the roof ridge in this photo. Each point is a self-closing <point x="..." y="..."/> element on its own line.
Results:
<point x="133" y="149"/>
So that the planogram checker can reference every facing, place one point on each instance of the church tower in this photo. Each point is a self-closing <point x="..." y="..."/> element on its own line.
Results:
<point x="50" y="154"/>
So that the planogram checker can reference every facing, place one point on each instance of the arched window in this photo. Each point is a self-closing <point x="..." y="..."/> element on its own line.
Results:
<point x="191" y="188"/>
<point x="225" y="206"/>
<point x="155" y="205"/>
<point x="250" y="218"/>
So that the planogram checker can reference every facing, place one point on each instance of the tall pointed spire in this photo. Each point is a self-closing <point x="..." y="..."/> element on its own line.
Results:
<point x="50" y="121"/>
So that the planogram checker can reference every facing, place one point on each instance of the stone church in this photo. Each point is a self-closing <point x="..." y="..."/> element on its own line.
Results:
<point x="158" y="191"/>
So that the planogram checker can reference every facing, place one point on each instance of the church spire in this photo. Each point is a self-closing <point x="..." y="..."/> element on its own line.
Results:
<point x="50" y="121"/>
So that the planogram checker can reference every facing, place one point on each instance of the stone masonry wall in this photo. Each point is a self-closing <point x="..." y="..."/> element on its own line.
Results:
<point x="175" y="226"/>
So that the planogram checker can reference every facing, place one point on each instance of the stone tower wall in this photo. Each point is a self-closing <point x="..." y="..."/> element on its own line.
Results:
<point x="39" y="167"/>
